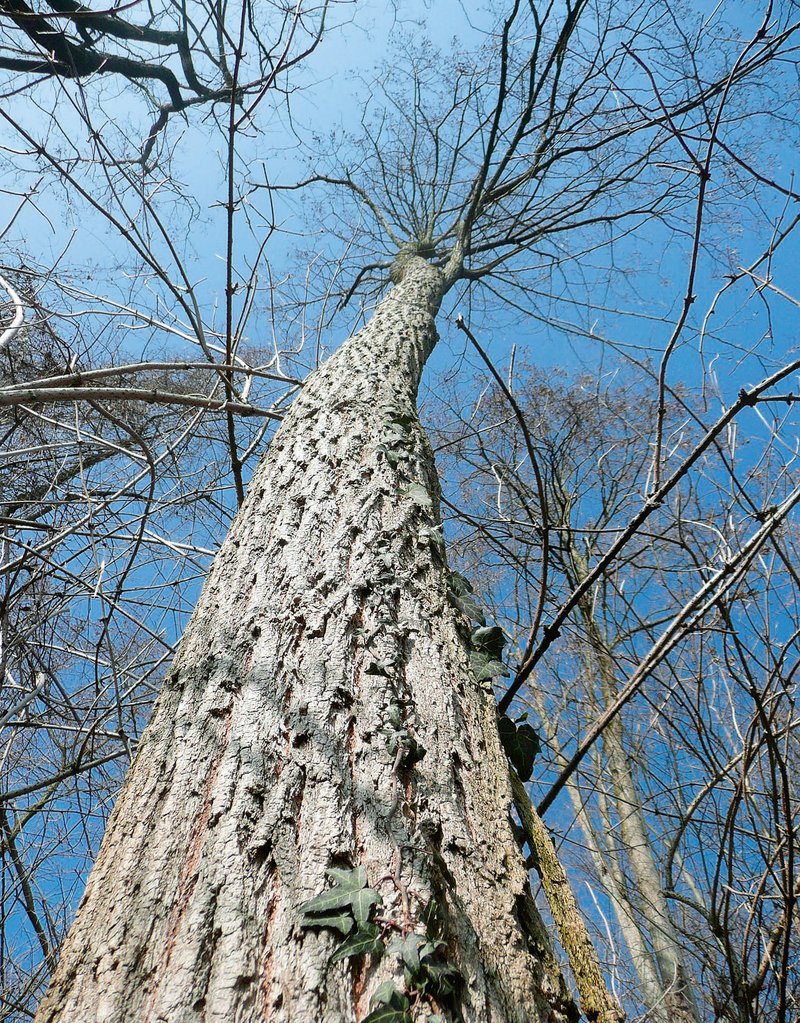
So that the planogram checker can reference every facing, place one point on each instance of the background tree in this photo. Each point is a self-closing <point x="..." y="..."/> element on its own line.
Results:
<point x="565" y="135"/>
<point x="703" y="738"/>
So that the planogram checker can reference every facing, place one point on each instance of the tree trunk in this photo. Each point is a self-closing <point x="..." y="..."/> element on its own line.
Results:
<point x="634" y="888"/>
<point x="322" y="659"/>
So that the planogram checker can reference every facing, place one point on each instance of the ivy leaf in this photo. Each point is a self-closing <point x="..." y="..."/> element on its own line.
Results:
<point x="432" y="917"/>
<point x="333" y="898"/>
<point x="348" y="883"/>
<point x="389" y="993"/>
<point x="387" y="1014"/>
<point x="408" y="949"/>
<point x="348" y="893"/>
<point x="355" y="878"/>
<point x="366" y="941"/>
<point x="462" y="596"/>
<point x="379" y="667"/>
<point x="393" y="450"/>
<point x="418" y="494"/>
<point x="394" y="716"/>
<point x="485" y="666"/>
<point x="430" y="948"/>
<point x="362" y="902"/>
<point x="342" y="922"/>
<point x="389" y="1005"/>
<point x="441" y="977"/>
<point x="491" y="639"/>
<point x="414" y="752"/>
<point x="433" y="534"/>
<point x="386" y="993"/>
<point x="394" y="435"/>
<point x="521" y="744"/>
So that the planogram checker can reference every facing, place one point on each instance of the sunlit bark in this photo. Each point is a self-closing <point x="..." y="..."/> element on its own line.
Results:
<point x="324" y="629"/>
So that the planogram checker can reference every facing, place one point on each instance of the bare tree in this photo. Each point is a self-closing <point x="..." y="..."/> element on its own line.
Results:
<point x="119" y="393"/>
<point x="669" y="796"/>
<point x="316" y="824"/>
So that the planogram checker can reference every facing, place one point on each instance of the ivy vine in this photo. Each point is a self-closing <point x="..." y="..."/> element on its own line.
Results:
<point x="348" y="908"/>
<point x="519" y="739"/>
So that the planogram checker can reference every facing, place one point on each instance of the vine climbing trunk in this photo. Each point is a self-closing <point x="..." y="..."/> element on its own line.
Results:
<point x="321" y="715"/>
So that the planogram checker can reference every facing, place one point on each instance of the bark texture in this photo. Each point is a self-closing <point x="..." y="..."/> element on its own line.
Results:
<point x="325" y="618"/>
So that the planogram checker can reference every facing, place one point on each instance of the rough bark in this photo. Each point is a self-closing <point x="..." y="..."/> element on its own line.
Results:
<point x="324" y="618"/>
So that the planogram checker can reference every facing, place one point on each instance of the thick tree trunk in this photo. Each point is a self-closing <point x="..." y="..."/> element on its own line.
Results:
<point x="323" y="657"/>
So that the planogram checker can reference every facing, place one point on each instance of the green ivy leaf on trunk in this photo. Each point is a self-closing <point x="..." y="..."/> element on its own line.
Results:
<point x="521" y="744"/>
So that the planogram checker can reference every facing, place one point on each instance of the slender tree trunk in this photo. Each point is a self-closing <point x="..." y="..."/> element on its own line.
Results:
<point x="676" y="1003"/>
<point x="612" y="878"/>
<point x="323" y="657"/>
<point x="640" y="887"/>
